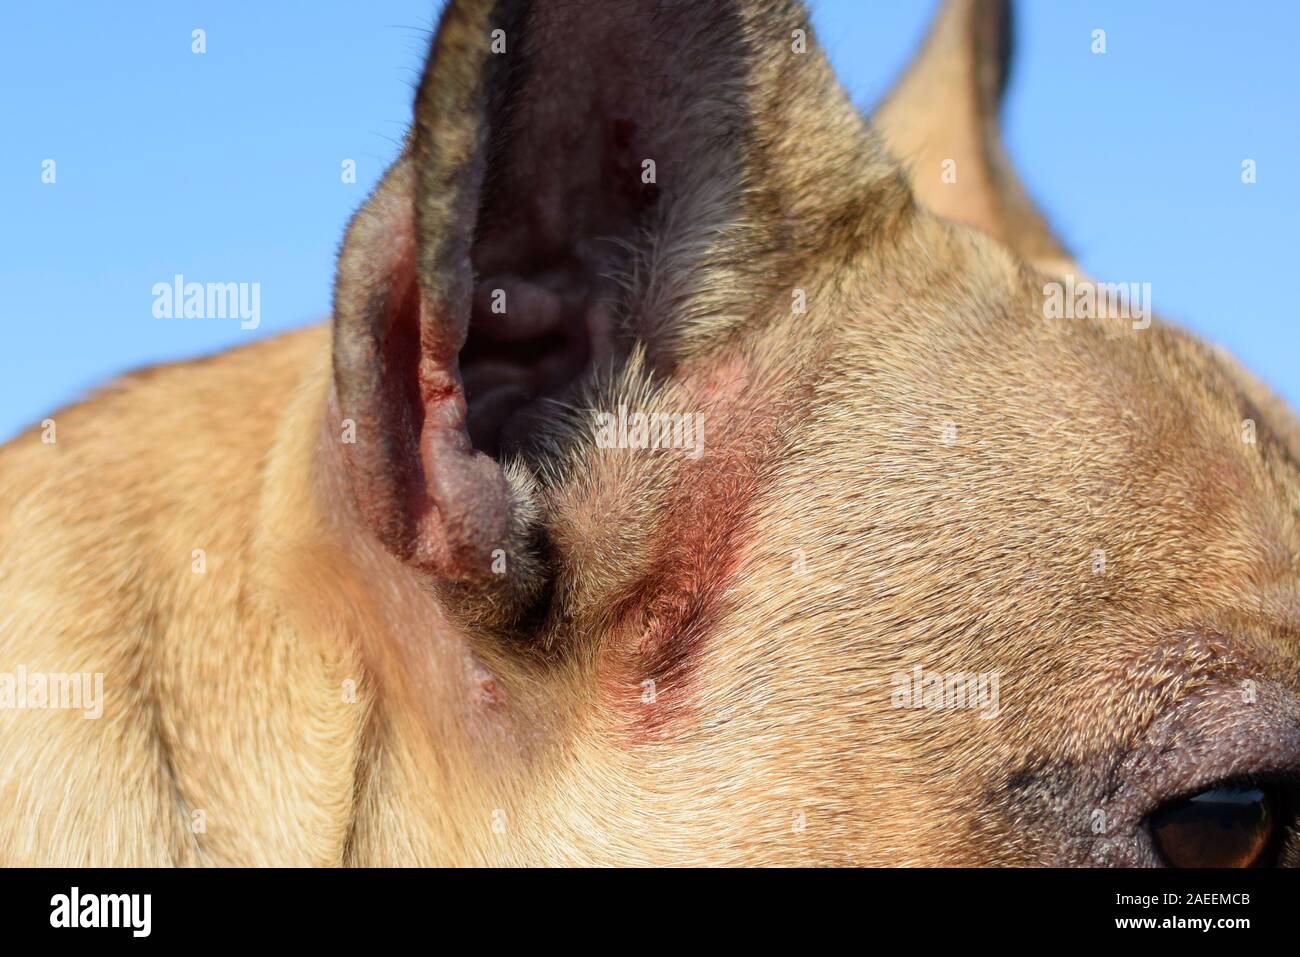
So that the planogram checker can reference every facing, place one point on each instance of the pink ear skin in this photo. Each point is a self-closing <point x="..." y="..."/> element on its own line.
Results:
<point x="430" y="498"/>
<point x="470" y="498"/>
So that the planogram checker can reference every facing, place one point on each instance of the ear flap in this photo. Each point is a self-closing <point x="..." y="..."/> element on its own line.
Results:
<point x="575" y="169"/>
<point x="402" y="306"/>
<point x="941" y="121"/>
<point x="426" y="493"/>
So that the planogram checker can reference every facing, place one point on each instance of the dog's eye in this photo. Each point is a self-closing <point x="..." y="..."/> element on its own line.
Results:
<point x="1224" y="826"/>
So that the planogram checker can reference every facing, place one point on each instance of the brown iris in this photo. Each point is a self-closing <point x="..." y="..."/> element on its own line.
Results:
<point x="1230" y="826"/>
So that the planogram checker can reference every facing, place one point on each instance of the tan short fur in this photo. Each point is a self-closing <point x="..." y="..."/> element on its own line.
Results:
<point x="918" y="469"/>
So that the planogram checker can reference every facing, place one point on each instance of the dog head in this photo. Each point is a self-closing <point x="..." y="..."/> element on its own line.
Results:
<point x="787" y="493"/>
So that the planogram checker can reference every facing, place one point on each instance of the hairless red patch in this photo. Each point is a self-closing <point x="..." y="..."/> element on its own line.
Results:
<point x="663" y="622"/>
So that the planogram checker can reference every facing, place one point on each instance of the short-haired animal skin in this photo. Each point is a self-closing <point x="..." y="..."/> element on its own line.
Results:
<point x="952" y="582"/>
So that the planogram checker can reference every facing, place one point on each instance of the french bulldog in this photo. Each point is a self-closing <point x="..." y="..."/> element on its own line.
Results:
<point x="693" y="471"/>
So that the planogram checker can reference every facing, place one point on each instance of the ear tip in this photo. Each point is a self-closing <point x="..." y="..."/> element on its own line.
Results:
<point x="988" y="29"/>
<point x="1003" y="37"/>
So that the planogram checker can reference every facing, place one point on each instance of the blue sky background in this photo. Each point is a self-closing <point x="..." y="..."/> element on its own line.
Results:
<point x="225" y="166"/>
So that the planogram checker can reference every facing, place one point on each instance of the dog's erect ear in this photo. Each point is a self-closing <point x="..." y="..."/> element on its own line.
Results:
<point x="941" y="121"/>
<point x="574" y="168"/>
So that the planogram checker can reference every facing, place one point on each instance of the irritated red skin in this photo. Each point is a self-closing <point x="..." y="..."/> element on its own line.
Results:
<point x="663" y="622"/>
<point x="434" y="501"/>
<point x="461" y="506"/>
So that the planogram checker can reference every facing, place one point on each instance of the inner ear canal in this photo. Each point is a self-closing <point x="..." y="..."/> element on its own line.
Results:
<point x="555" y="228"/>
<point x="538" y="326"/>
<point x="562" y="203"/>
